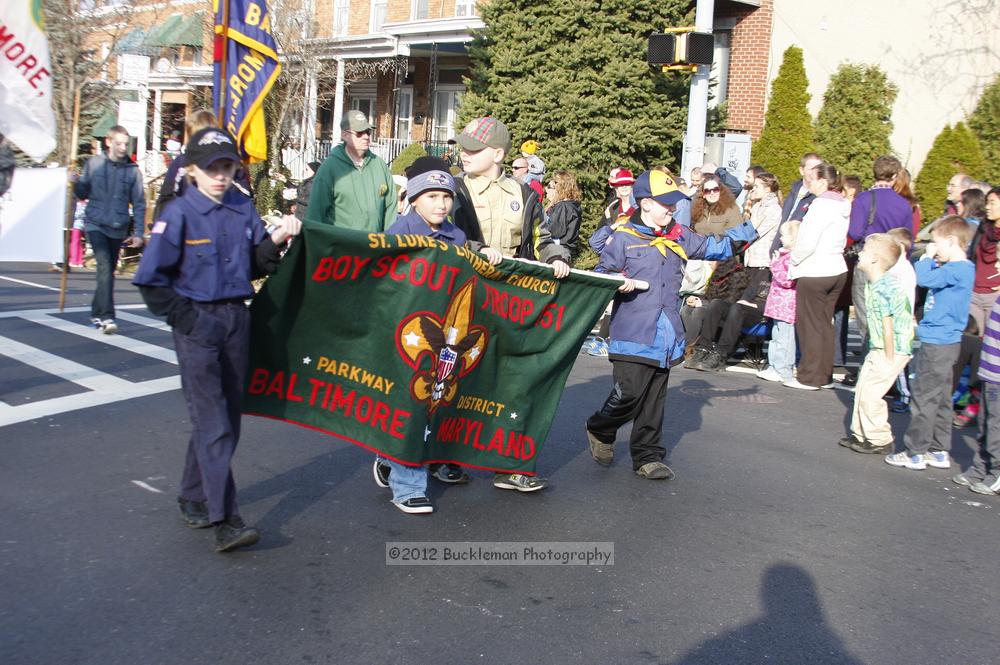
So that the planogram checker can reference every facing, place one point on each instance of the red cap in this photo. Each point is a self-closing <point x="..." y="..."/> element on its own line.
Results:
<point x="620" y="177"/>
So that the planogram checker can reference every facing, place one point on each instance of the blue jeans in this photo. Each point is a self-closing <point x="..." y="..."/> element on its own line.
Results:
<point x="106" y="253"/>
<point x="406" y="482"/>
<point x="781" y="350"/>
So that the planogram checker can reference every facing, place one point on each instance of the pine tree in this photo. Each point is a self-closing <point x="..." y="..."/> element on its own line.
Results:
<point x="955" y="150"/>
<point x="572" y="74"/>
<point x="788" y="129"/>
<point x="854" y="125"/>
<point x="985" y="123"/>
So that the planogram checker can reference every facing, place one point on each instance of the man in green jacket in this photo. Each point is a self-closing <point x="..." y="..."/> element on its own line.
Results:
<point x="353" y="188"/>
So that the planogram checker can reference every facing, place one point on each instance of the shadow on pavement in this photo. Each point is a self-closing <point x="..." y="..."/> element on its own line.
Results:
<point x="793" y="629"/>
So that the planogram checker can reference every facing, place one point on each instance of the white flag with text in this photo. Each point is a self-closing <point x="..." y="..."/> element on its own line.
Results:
<point x="26" y="115"/>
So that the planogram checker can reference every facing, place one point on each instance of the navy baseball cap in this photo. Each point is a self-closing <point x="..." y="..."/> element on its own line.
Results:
<point x="209" y="145"/>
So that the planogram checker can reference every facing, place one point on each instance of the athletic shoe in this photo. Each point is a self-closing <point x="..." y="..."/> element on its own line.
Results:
<point x="939" y="459"/>
<point x="712" y="362"/>
<point x="869" y="448"/>
<point x="418" y="505"/>
<point x="699" y="354"/>
<point x="962" y="479"/>
<point x="519" y="482"/>
<point x="108" y="326"/>
<point x="381" y="471"/>
<point x="848" y="441"/>
<point x="233" y="533"/>
<point x="794" y="383"/>
<point x="771" y="374"/>
<point x="195" y="513"/>
<point x="655" y="471"/>
<point x="982" y="488"/>
<point x="905" y="460"/>
<point x="850" y="379"/>
<point x="449" y="473"/>
<point x="95" y="322"/>
<point x="597" y="347"/>
<point x="603" y="453"/>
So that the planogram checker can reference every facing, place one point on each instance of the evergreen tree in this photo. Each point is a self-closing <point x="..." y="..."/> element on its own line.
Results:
<point x="955" y="150"/>
<point x="985" y="123"/>
<point x="572" y="74"/>
<point x="853" y="126"/>
<point x="788" y="129"/>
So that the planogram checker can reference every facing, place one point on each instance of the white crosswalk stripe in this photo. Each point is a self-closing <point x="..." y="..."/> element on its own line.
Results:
<point x="100" y="387"/>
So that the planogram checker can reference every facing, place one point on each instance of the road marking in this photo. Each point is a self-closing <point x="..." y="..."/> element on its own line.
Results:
<point x="143" y="321"/>
<point x="35" y="284"/>
<point x="66" y="369"/>
<point x="21" y="313"/>
<point x="147" y="487"/>
<point x="125" y="343"/>
<point x="10" y="415"/>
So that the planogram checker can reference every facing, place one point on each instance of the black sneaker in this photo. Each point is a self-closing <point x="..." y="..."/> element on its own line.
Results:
<point x="848" y="441"/>
<point x="850" y="379"/>
<point x="233" y="533"/>
<point x="418" y="505"/>
<point x="195" y="513"/>
<point x="868" y="448"/>
<point x="699" y="354"/>
<point x="519" y="482"/>
<point x="713" y="362"/>
<point x="449" y="473"/>
<point x="381" y="471"/>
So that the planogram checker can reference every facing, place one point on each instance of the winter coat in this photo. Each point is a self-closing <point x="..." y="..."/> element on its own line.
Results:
<point x="353" y="197"/>
<point x="109" y="187"/>
<point x="564" y="223"/>
<point x="780" y="304"/>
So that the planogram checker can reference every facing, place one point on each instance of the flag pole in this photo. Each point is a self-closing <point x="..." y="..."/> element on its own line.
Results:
<point x="70" y="199"/>
<point x="222" y="63"/>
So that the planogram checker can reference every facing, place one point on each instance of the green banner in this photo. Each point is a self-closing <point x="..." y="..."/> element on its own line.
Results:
<point x="418" y="349"/>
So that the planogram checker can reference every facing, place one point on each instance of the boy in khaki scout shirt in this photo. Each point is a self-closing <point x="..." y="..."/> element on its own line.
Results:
<point x="497" y="213"/>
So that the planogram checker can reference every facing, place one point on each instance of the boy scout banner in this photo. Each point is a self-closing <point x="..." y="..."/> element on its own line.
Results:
<point x="418" y="349"/>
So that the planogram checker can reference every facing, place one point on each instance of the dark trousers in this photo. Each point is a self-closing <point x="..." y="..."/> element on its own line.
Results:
<point x="639" y="394"/>
<point x="815" y="300"/>
<point x="930" y="400"/>
<point x="213" y="363"/>
<point x="106" y="254"/>
<point x="701" y="324"/>
<point x="986" y="461"/>
<point x="738" y="318"/>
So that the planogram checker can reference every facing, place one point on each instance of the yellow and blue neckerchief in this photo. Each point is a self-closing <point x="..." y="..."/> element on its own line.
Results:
<point x="662" y="241"/>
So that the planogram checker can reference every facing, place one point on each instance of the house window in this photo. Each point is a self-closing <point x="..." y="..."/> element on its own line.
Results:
<point x="404" y="112"/>
<point x="420" y="9"/>
<point x="341" y="16"/>
<point x="379" y="9"/>
<point x="195" y="56"/>
<point x="465" y="7"/>
<point x="445" y="111"/>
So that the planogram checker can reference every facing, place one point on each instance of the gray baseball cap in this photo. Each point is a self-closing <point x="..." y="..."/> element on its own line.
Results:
<point x="356" y="121"/>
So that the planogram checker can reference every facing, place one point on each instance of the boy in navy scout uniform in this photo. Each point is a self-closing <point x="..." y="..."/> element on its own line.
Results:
<point x="647" y="336"/>
<point x="430" y="189"/>
<point x="204" y="250"/>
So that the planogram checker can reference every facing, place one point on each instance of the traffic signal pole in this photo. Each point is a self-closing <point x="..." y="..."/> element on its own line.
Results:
<point x="694" y="152"/>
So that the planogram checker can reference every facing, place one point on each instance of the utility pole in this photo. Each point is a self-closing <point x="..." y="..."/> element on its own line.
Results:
<point x="694" y="152"/>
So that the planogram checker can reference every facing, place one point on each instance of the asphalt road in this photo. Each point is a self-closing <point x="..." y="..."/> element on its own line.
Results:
<point x="772" y="545"/>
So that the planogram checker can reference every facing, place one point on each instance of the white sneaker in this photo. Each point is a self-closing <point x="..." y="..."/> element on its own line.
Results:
<point x="794" y="383"/>
<point x="938" y="459"/>
<point x="108" y="326"/>
<point x="770" y="374"/>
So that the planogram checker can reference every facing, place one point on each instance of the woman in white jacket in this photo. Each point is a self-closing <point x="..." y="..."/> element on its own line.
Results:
<point x="817" y="263"/>
<point x="765" y="215"/>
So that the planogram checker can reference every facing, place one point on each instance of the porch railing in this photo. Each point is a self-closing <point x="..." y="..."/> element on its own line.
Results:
<point x="296" y="161"/>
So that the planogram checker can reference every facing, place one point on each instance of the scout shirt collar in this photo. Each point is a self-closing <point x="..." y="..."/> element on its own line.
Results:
<point x="480" y="183"/>
<point x="203" y="205"/>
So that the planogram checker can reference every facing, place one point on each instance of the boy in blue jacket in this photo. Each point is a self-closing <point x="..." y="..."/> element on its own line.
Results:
<point x="647" y="336"/>
<point x="948" y="275"/>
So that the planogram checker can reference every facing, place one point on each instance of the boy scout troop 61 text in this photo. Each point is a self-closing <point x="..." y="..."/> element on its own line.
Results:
<point x="422" y="272"/>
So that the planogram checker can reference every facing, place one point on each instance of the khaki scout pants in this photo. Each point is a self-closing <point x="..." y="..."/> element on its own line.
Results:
<point x="870" y="417"/>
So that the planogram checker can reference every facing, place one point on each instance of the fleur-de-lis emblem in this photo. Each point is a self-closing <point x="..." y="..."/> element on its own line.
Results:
<point x="454" y="345"/>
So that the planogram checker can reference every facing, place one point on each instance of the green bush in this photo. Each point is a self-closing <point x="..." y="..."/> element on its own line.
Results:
<point x="572" y="74"/>
<point x="788" y="128"/>
<point x="854" y="125"/>
<point x="410" y="154"/>
<point x="985" y="124"/>
<point x="955" y="150"/>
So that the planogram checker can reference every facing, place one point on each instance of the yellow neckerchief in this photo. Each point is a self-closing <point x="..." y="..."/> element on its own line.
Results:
<point x="661" y="243"/>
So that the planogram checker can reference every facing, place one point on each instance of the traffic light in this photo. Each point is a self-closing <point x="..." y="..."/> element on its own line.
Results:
<point x="680" y="48"/>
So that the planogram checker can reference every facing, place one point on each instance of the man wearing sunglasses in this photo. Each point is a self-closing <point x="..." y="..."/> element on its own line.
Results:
<point x="353" y="188"/>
